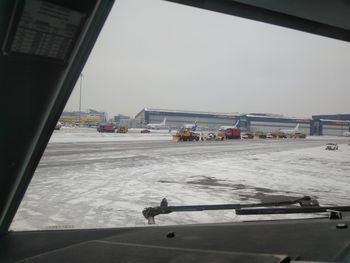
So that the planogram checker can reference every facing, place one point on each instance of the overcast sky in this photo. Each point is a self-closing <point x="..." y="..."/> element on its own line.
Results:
<point x="157" y="54"/>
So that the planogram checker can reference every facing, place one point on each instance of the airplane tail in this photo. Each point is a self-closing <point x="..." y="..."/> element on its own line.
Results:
<point x="236" y="124"/>
<point x="296" y="127"/>
<point x="164" y="121"/>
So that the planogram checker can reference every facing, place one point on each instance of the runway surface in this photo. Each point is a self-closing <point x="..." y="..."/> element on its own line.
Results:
<point x="89" y="180"/>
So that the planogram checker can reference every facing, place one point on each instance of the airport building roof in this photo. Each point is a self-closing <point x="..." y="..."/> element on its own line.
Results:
<point x="344" y="117"/>
<point x="275" y="116"/>
<point x="228" y="114"/>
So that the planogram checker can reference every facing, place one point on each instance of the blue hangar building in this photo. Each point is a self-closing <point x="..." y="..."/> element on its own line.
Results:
<point x="331" y="125"/>
<point x="334" y="124"/>
<point x="269" y="123"/>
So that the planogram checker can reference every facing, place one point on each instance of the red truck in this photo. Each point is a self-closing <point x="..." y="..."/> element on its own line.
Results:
<point x="230" y="133"/>
<point x="106" y="127"/>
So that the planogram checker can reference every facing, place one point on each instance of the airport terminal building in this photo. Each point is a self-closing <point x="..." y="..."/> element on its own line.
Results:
<point x="334" y="125"/>
<point x="175" y="119"/>
<point x="213" y="120"/>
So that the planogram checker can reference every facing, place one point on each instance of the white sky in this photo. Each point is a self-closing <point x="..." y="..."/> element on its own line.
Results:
<point x="157" y="54"/>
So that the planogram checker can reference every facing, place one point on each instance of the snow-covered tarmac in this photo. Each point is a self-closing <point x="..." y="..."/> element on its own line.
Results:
<point x="88" y="180"/>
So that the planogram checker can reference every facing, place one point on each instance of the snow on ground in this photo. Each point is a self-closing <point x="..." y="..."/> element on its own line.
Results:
<point x="71" y="134"/>
<point x="89" y="182"/>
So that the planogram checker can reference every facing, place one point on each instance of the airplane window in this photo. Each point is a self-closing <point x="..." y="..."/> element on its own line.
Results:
<point x="199" y="108"/>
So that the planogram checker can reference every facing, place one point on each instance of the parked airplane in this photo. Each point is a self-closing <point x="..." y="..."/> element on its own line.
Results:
<point x="235" y="126"/>
<point x="292" y="131"/>
<point x="346" y="134"/>
<point x="157" y="125"/>
<point x="191" y="127"/>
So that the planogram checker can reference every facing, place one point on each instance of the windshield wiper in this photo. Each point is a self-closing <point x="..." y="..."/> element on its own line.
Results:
<point x="292" y="210"/>
<point x="150" y="212"/>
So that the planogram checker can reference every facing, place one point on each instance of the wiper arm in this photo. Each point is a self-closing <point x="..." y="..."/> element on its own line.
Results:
<point x="150" y="212"/>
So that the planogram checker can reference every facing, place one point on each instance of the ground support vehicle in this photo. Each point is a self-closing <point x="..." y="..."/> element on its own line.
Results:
<point x="145" y="131"/>
<point x="233" y="133"/>
<point x="298" y="135"/>
<point x="331" y="146"/>
<point x="260" y="135"/>
<point x="278" y="135"/>
<point x="107" y="127"/>
<point x="210" y="137"/>
<point x="122" y="129"/>
<point x="186" y="135"/>
<point x="248" y="135"/>
<point x="229" y="133"/>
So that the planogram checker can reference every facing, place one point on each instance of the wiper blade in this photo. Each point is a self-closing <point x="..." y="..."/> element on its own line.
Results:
<point x="150" y="212"/>
<point x="292" y="210"/>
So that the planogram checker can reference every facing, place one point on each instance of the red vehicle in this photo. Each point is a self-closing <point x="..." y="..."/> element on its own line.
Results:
<point x="230" y="133"/>
<point x="233" y="133"/>
<point x="106" y="127"/>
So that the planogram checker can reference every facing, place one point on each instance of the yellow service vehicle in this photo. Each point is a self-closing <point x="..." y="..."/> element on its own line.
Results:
<point x="122" y="129"/>
<point x="186" y="135"/>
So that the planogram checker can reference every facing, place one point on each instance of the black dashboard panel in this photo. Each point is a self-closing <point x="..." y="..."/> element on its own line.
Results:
<point x="106" y="251"/>
<point x="309" y="239"/>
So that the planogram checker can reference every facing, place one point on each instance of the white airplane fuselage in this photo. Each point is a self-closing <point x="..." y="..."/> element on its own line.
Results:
<point x="157" y="125"/>
<point x="293" y="131"/>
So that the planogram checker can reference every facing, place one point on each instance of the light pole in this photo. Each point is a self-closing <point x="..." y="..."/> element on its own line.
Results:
<point x="81" y="87"/>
